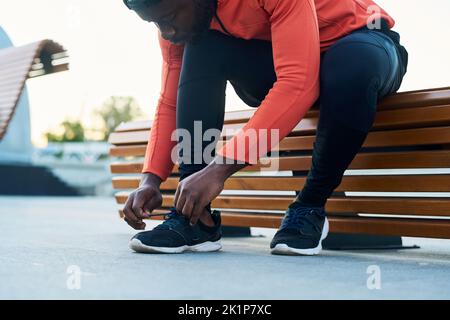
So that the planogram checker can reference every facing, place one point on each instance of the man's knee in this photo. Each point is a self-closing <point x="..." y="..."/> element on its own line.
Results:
<point x="205" y="58"/>
<point x="210" y="42"/>
<point x="352" y="100"/>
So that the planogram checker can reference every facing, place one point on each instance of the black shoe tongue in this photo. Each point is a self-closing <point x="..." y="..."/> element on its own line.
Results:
<point x="172" y="219"/>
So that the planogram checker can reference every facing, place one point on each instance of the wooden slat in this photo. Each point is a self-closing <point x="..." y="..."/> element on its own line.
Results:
<point x="6" y="113"/>
<point x="419" y="98"/>
<point x="408" y="99"/>
<point x="411" y="99"/>
<point x="231" y="118"/>
<point x="4" y="119"/>
<point x="429" y="228"/>
<point x="13" y="76"/>
<point x="12" y="70"/>
<point x="128" y="151"/>
<point x="390" y="119"/>
<point x="394" y="138"/>
<point x="335" y="205"/>
<point x="251" y="220"/>
<point x="6" y="103"/>
<point x="6" y="110"/>
<point x="16" y="60"/>
<point x="392" y="227"/>
<point x="380" y="183"/>
<point x="406" y="138"/>
<point x="7" y="95"/>
<point x="414" y="117"/>
<point x="397" y="138"/>
<point x="128" y="138"/>
<point x="42" y="72"/>
<point x="419" y="137"/>
<point x="379" y="160"/>
<point x="134" y="126"/>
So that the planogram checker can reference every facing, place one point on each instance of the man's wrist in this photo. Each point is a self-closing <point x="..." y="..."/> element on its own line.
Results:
<point x="151" y="178"/>
<point x="223" y="169"/>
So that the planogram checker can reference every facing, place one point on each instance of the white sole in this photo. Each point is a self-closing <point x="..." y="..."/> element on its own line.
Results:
<point x="284" y="249"/>
<point x="208" y="246"/>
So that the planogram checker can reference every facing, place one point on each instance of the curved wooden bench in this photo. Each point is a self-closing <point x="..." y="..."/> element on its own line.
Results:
<point x="411" y="131"/>
<point x="17" y="64"/>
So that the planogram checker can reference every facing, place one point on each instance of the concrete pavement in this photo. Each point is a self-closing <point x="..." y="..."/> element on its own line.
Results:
<point x="45" y="243"/>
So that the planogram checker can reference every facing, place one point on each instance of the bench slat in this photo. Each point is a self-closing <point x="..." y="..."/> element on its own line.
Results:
<point x="128" y="151"/>
<point x="409" y="99"/>
<point x="418" y="98"/>
<point x="12" y="79"/>
<point x="232" y="117"/>
<point x="392" y="227"/>
<point x="137" y="150"/>
<point x="335" y="205"/>
<point x="390" y="119"/>
<point x="381" y="183"/>
<point x="376" y="160"/>
<point x="397" y="138"/>
<point x="430" y="228"/>
<point x="394" y="138"/>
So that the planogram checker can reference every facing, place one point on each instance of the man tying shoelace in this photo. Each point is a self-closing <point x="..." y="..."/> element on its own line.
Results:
<point x="282" y="57"/>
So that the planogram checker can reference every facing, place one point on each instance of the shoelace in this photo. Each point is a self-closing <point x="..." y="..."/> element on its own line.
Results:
<point x="298" y="217"/>
<point x="171" y="219"/>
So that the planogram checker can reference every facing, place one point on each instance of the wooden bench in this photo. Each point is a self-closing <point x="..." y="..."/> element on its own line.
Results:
<point x="17" y="64"/>
<point x="411" y="133"/>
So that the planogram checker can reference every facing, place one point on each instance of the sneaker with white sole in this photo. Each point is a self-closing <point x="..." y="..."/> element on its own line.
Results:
<point x="302" y="231"/>
<point x="176" y="235"/>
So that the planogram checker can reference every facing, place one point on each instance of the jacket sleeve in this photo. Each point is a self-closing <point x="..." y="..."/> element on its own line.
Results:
<point x="296" y="53"/>
<point x="158" y="153"/>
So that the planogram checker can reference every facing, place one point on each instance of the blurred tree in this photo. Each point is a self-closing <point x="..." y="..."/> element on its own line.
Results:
<point x="116" y="110"/>
<point x="72" y="131"/>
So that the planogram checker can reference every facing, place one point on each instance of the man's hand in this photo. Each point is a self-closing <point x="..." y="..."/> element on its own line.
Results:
<point x="144" y="199"/>
<point x="195" y="192"/>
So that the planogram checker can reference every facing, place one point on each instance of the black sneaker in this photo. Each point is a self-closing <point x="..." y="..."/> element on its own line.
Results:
<point x="301" y="232"/>
<point x="176" y="235"/>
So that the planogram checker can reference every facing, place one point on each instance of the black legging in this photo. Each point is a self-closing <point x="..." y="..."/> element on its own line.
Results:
<point x="355" y="73"/>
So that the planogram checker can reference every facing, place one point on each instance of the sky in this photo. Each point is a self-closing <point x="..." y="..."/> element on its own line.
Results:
<point x="113" y="52"/>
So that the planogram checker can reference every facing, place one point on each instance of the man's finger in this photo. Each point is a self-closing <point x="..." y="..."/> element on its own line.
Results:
<point x="180" y="203"/>
<point x="130" y="216"/>
<point x="136" y="226"/>
<point x="151" y="205"/>
<point x="138" y="207"/>
<point x="188" y="208"/>
<point x="127" y="210"/>
<point x="196" y="213"/>
<point x="177" y="195"/>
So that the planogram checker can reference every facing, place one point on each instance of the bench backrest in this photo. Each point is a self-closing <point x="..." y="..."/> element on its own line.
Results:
<point x="17" y="64"/>
<point x="396" y="184"/>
